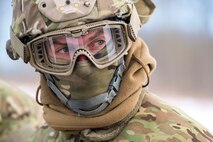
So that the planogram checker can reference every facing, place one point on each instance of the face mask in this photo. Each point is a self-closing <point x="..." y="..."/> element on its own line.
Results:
<point x="86" y="81"/>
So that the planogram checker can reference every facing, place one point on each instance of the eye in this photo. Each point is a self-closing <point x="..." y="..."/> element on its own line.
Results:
<point x="64" y="50"/>
<point x="100" y="42"/>
<point x="97" y="44"/>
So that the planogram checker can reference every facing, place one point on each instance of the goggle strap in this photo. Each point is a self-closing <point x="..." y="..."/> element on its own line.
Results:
<point x="19" y="47"/>
<point x="134" y="24"/>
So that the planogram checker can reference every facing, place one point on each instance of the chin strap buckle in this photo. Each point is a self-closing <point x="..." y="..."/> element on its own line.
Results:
<point x="115" y="83"/>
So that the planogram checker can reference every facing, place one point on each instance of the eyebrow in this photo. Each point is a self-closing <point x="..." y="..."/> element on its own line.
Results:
<point x="60" y="44"/>
<point x="95" y="35"/>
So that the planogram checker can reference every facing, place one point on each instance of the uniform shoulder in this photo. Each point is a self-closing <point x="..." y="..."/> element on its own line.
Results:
<point x="47" y="134"/>
<point x="15" y="103"/>
<point x="19" y="114"/>
<point x="159" y="121"/>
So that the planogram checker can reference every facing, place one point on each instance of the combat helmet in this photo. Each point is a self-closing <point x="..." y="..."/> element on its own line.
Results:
<point x="35" y="17"/>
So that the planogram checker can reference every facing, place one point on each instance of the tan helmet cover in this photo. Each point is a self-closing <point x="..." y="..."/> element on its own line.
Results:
<point x="145" y="8"/>
<point x="33" y="17"/>
<point x="65" y="10"/>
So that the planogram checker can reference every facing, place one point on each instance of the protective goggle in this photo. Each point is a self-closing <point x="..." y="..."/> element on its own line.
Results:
<point x="103" y="43"/>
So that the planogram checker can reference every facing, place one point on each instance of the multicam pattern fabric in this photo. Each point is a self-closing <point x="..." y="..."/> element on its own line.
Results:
<point x="155" y="122"/>
<point x="27" y="20"/>
<point x="159" y="122"/>
<point x="19" y="115"/>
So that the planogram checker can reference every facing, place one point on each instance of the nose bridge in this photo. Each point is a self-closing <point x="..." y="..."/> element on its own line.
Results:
<point x="81" y="52"/>
<point x="81" y="58"/>
<point x="81" y="55"/>
<point x="81" y="42"/>
<point x="75" y="42"/>
<point x="78" y="50"/>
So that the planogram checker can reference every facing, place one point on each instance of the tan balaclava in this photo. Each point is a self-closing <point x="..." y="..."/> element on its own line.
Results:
<point x="128" y="98"/>
<point x="107" y="96"/>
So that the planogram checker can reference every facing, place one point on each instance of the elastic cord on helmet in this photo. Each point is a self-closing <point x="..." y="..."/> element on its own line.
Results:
<point x="97" y="103"/>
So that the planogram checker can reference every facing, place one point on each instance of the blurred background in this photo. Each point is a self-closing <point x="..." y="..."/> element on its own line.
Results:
<point x="180" y="37"/>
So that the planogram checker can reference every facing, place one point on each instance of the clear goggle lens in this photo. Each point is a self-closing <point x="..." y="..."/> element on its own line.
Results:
<point x="102" y="45"/>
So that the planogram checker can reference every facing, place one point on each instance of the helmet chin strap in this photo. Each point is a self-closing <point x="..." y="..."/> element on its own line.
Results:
<point x="95" y="104"/>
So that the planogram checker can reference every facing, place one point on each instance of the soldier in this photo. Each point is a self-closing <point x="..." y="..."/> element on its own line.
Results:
<point x="19" y="115"/>
<point x="94" y="72"/>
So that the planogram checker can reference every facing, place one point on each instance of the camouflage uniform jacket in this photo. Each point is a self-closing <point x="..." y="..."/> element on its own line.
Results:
<point x="18" y="114"/>
<point x="156" y="121"/>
